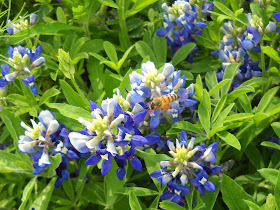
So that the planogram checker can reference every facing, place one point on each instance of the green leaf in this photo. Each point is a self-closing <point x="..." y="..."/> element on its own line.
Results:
<point x="160" y="48"/>
<point x="269" y="174"/>
<point x="219" y="108"/>
<point x="40" y="28"/>
<point x="42" y="201"/>
<point x="48" y="94"/>
<point x="211" y="81"/>
<point x="182" y="53"/>
<point x="266" y="99"/>
<point x="229" y="74"/>
<point x="141" y="191"/>
<point x="70" y="111"/>
<point x="224" y="9"/>
<point x="269" y="51"/>
<point x="206" y="100"/>
<point x="254" y="156"/>
<point x="209" y="198"/>
<point x="133" y="201"/>
<point x="252" y="205"/>
<point x="276" y="128"/>
<point x="270" y="144"/>
<point x="122" y="60"/>
<point x="60" y="15"/>
<point x="26" y="192"/>
<point x="19" y="100"/>
<point x="218" y="86"/>
<point x="72" y="97"/>
<point x="229" y="139"/>
<point x="145" y="50"/>
<point x="238" y="117"/>
<point x="168" y="205"/>
<point x="277" y="192"/>
<point x="68" y="189"/>
<point x="110" y="51"/>
<point x="187" y="126"/>
<point x="233" y="194"/>
<point x="245" y="103"/>
<point x="125" y="84"/>
<point x="257" y="10"/>
<point x="222" y="116"/>
<point x="204" y="117"/>
<point x="205" y="42"/>
<point x="109" y="3"/>
<point x="236" y="93"/>
<point x="138" y="6"/>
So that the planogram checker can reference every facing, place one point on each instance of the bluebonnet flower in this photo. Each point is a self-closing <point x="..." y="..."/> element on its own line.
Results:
<point x="277" y="18"/>
<point x="22" y="60"/>
<point x="22" y="24"/>
<point x="188" y="162"/>
<point x="152" y="84"/>
<point x="47" y="138"/>
<point x="181" y="22"/>
<point x="112" y="134"/>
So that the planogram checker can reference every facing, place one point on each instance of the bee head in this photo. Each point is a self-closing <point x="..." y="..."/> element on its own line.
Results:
<point x="151" y="105"/>
<point x="155" y="104"/>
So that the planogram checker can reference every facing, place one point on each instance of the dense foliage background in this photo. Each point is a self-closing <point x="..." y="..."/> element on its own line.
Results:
<point x="97" y="65"/>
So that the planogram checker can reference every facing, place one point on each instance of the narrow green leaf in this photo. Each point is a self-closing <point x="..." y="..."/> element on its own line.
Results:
<point x="187" y="126"/>
<point x="70" y="111"/>
<point x="224" y="9"/>
<point x="238" y="117"/>
<point x="272" y="53"/>
<point x="60" y="15"/>
<point x="206" y="100"/>
<point x="233" y="194"/>
<point x="204" y="117"/>
<point x="277" y="192"/>
<point x="72" y="97"/>
<point x="145" y="50"/>
<point x="109" y="3"/>
<point x="122" y="60"/>
<point x="42" y="201"/>
<point x="222" y="116"/>
<point x="245" y="103"/>
<point x="19" y="100"/>
<point x="182" y="53"/>
<point x="270" y="174"/>
<point x="254" y="156"/>
<point x="26" y="192"/>
<point x="170" y="205"/>
<point x="266" y="99"/>
<point x="138" y="6"/>
<point x="239" y="92"/>
<point x="229" y="139"/>
<point x="229" y="73"/>
<point x="110" y="51"/>
<point x="218" y="86"/>
<point x="133" y="201"/>
<point x="211" y="82"/>
<point x="270" y="144"/>
<point x="276" y="128"/>
<point x="68" y="189"/>
<point x="48" y="94"/>
<point x="252" y="205"/>
<point x="219" y="108"/>
<point x="160" y="48"/>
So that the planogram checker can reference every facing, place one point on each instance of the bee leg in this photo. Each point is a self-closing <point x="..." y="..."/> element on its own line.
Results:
<point x="167" y="106"/>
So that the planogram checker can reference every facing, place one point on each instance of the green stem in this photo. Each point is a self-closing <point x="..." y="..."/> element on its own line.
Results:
<point x="123" y="24"/>
<point x="263" y="62"/>
<point x="78" y="89"/>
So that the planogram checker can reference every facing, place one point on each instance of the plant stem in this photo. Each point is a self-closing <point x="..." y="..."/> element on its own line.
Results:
<point x="78" y="89"/>
<point x="263" y="62"/>
<point x="124" y="32"/>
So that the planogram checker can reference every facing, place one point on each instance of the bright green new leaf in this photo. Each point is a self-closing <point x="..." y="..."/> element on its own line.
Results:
<point x="229" y="139"/>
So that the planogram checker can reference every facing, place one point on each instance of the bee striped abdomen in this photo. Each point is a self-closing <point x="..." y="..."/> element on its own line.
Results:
<point x="163" y="101"/>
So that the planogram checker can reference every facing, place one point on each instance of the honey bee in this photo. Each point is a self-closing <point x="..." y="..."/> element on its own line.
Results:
<point x="163" y="101"/>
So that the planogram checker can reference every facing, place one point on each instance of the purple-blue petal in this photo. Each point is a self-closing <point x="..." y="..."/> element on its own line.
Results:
<point x="92" y="160"/>
<point x="166" y="195"/>
<point x="183" y="136"/>
<point x="209" y="186"/>
<point x="106" y="167"/>
<point x="121" y="173"/>
<point x="162" y="32"/>
<point x="154" y="122"/>
<point x="139" y="117"/>
<point x="277" y="17"/>
<point x="136" y="163"/>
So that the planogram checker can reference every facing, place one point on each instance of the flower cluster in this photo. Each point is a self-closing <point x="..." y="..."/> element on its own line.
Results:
<point x="112" y="134"/>
<point x="45" y="138"/>
<point x="22" y="60"/>
<point x="181" y="22"/>
<point x="152" y="84"/>
<point x="22" y="24"/>
<point x="188" y="164"/>
<point x="235" y="44"/>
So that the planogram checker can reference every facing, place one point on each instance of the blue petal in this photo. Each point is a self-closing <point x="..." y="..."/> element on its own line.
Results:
<point x="139" y="117"/>
<point x="255" y="32"/>
<point x="166" y="195"/>
<point x="106" y="167"/>
<point x="140" y="139"/>
<point x="216" y="170"/>
<point x="201" y="189"/>
<point x="136" y="163"/>
<point x="3" y="82"/>
<point x="152" y="139"/>
<point x="209" y="186"/>
<point x="162" y="32"/>
<point x="92" y="160"/>
<point x="121" y="173"/>
<point x="277" y="17"/>
<point x="183" y="136"/>
<point x="65" y="174"/>
<point x="10" y="51"/>
<point x="189" y="103"/>
<point x="5" y="69"/>
<point x="71" y="154"/>
<point x="93" y="106"/>
<point x="154" y="122"/>
<point x="247" y="44"/>
<point x="58" y="182"/>
<point x="34" y="89"/>
<point x="175" y="198"/>
<point x="200" y="24"/>
<point x="136" y="98"/>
